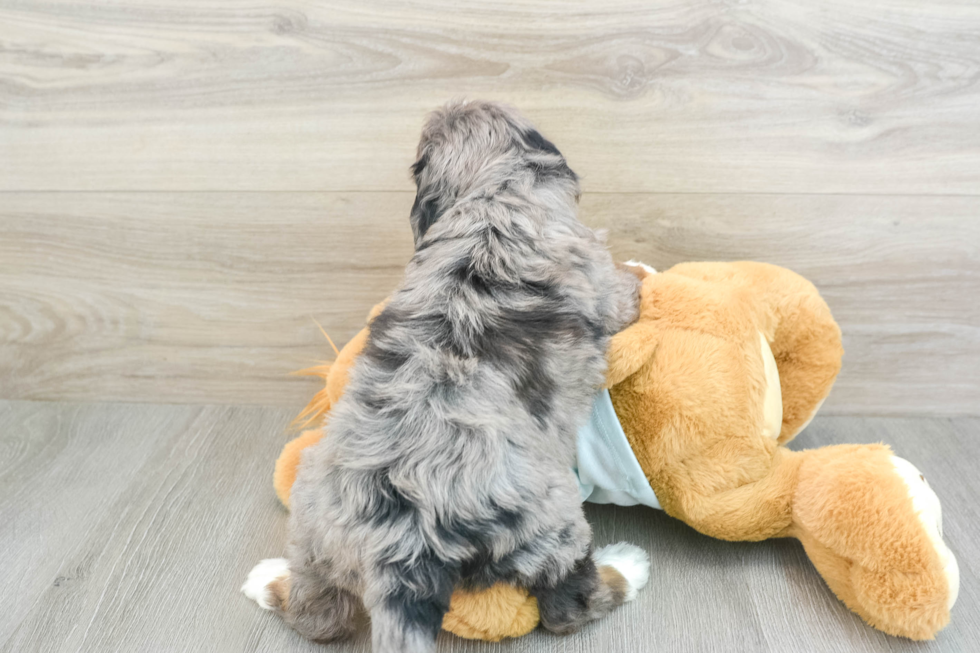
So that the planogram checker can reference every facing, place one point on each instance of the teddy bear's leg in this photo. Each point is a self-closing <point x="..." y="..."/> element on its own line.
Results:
<point x="872" y="527"/>
<point x="867" y="519"/>
<point x="492" y="614"/>
<point x="733" y="507"/>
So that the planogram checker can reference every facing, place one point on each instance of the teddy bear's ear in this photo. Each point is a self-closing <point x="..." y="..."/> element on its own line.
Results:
<point x="629" y="350"/>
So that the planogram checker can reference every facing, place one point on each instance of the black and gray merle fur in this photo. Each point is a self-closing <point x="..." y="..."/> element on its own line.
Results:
<point x="448" y="461"/>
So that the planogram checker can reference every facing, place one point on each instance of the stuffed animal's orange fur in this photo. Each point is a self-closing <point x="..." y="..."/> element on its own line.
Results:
<point x="726" y="363"/>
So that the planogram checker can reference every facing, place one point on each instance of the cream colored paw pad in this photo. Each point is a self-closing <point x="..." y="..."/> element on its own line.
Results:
<point x="929" y="511"/>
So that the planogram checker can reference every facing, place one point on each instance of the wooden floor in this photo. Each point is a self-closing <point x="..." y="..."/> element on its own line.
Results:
<point x="131" y="528"/>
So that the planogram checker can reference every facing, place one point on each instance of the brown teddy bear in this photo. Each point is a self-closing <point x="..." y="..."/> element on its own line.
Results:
<point x="725" y="365"/>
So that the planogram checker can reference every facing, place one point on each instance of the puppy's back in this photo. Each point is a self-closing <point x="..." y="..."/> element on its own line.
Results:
<point x="449" y="457"/>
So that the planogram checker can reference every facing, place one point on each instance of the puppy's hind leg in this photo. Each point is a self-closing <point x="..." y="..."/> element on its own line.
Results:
<point x="313" y="608"/>
<point x="268" y="584"/>
<point x="596" y="585"/>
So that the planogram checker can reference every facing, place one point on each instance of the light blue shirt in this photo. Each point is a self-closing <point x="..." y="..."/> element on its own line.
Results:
<point x="607" y="469"/>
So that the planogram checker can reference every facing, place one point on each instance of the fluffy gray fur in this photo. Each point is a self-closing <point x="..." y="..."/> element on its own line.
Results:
<point x="449" y="459"/>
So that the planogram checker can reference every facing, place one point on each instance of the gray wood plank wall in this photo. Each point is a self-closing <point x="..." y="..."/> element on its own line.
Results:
<point x="184" y="185"/>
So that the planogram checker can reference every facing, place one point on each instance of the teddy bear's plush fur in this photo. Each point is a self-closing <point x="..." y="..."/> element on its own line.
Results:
<point x="726" y="364"/>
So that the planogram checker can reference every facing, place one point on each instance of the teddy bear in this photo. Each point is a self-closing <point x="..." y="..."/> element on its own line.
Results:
<point x="726" y="363"/>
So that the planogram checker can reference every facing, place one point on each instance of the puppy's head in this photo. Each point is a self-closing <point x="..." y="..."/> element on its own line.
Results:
<point x="469" y="146"/>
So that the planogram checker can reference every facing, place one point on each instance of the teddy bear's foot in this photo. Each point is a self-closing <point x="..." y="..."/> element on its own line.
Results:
<point x="872" y="527"/>
<point x="930" y="514"/>
<point x="492" y="614"/>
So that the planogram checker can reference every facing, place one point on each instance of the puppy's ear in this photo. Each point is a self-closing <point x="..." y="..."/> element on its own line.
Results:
<point x="535" y="141"/>
<point x="425" y="212"/>
<point x="427" y="206"/>
<point x="552" y="164"/>
<point x="419" y="166"/>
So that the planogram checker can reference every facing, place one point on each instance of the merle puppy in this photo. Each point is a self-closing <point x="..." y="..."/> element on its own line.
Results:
<point x="448" y="462"/>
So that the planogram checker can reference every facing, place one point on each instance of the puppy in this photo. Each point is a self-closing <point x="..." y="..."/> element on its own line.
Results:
<point x="448" y="461"/>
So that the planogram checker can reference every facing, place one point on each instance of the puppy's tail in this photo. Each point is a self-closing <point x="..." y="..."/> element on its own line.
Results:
<point x="405" y="626"/>
<point x="409" y="616"/>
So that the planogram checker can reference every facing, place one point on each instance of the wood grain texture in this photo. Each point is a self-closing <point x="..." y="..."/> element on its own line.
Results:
<point x="666" y="96"/>
<point x="131" y="528"/>
<point x="901" y="275"/>
<point x="181" y="297"/>
<point x="211" y="297"/>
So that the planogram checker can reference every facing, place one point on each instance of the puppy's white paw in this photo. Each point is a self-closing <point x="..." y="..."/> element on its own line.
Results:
<point x="649" y="270"/>
<point x="630" y="561"/>
<point x="927" y="508"/>
<point x="256" y="586"/>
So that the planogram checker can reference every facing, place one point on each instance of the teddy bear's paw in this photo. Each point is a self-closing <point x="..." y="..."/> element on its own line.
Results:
<point x="265" y="583"/>
<point x="630" y="561"/>
<point x="929" y="511"/>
